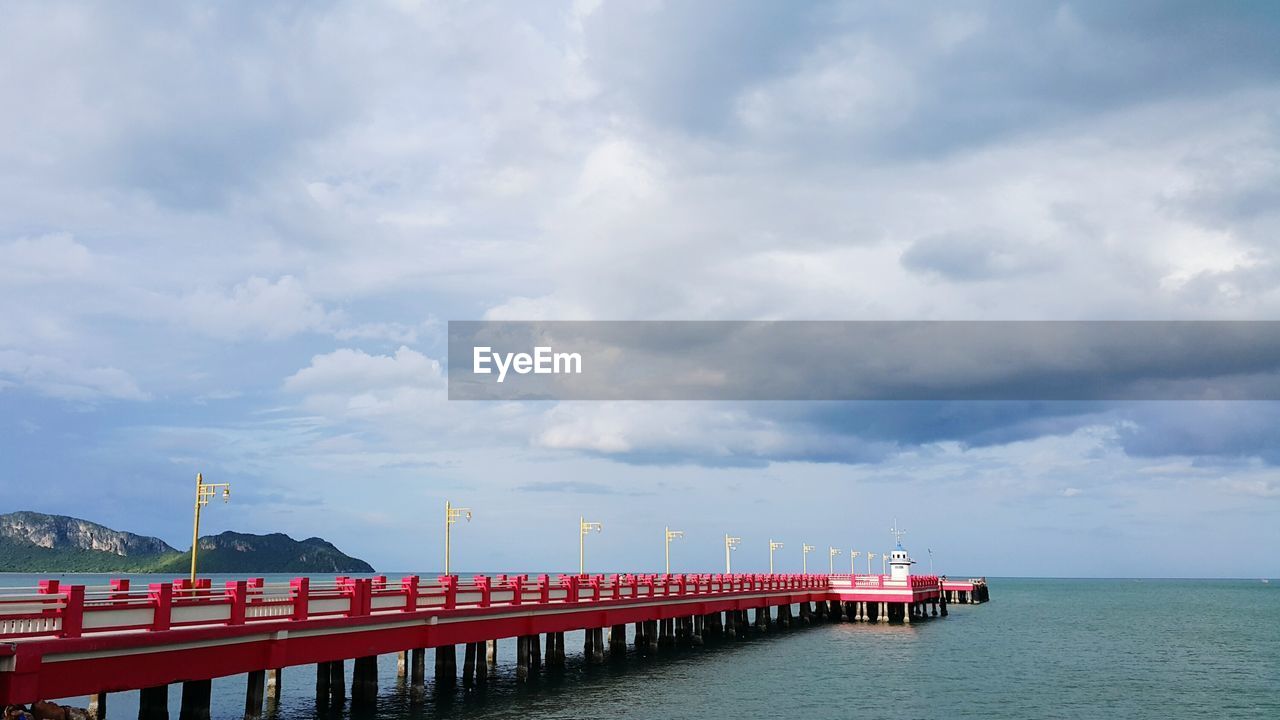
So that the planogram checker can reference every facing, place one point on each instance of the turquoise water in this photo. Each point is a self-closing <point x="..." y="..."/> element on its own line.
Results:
<point x="1041" y="648"/>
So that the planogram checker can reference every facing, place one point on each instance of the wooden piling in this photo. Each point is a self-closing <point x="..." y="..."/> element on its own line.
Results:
<point x="522" y="657"/>
<point x="469" y="666"/>
<point x="322" y="682"/>
<point x="196" y="696"/>
<point x="337" y="682"/>
<point x="482" y="668"/>
<point x="364" y="680"/>
<point x="618" y="640"/>
<point x="446" y="666"/>
<point x="535" y="654"/>
<point x="254" y="694"/>
<point x="153" y="703"/>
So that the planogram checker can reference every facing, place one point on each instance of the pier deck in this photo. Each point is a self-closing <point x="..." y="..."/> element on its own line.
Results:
<point x="62" y="641"/>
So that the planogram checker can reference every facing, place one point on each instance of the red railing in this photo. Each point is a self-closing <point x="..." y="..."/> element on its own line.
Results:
<point x="56" y="610"/>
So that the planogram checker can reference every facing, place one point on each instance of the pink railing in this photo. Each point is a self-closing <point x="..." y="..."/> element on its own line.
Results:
<point x="69" y="611"/>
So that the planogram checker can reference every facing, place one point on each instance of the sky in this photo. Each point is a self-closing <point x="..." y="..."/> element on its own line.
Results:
<point x="232" y="234"/>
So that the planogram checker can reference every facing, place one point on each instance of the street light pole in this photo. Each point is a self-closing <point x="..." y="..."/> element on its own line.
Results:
<point x="831" y="560"/>
<point x="671" y="535"/>
<point x="451" y="516"/>
<point x="773" y="546"/>
<point x="853" y="560"/>
<point x="730" y="543"/>
<point x="804" y="558"/>
<point x="585" y="527"/>
<point x="870" y="556"/>
<point x="204" y="491"/>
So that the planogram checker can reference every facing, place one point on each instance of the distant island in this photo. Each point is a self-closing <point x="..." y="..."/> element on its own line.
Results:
<point x="36" y="542"/>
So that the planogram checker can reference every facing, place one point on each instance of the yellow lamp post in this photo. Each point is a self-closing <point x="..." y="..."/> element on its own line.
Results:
<point x="773" y="546"/>
<point x="804" y="558"/>
<point x="671" y="535"/>
<point x="204" y="492"/>
<point x="831" y="560"/>
<point x="870" y="556"/>
<point x="451" y="516"/>
<point x="585" y="527"/>
<point x="730" y="543"/>
<point x="853" y="559"/>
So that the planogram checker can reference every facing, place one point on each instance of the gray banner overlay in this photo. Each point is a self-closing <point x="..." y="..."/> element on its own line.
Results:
<point x="835" y="360"/>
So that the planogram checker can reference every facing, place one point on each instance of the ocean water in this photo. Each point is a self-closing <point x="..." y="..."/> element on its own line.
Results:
<point x="1040" y="649"/>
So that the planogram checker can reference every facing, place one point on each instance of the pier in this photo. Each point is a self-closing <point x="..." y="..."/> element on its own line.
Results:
<point x="71" y="640"/>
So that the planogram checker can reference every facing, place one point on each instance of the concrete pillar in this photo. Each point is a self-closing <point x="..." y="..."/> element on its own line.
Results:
<point x="651" y="634"/>
<point x="699" y="627"/>
<point x="882" y="612"/>
<point x="641" y="643"/>
<point x="618" y="640"/>
<point x="196" y="695"/>
<point x="253" y="696"/>
<point x="446" y="666"/>
<point x="469" y="666"/>
<point x="906" y="613"/>
<point x="402" y="664"/>
<point x="364" y="680"/>
<point x="491" y="652"/>
<point x="98" y="706"/>
<point x="560" y="649"/>
<point x="153" y="703"/>
<point x="275" y="685"/>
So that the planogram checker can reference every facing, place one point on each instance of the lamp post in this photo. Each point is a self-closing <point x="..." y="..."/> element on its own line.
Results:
<point x="773" y="546"/>
<point x="730" y="544"/>
<point x="883" y="556"/>
<point x="870" y="556"/>
<point x="204" y="492"/>
<point x="853" y="560"/>
<point x="804" y="558"/>
<point x="451" y="516"/>
<point x="671" y="535"/>
<point x="585" y="527"/>
<point x="832" y="553"/>
<point x="930" y="561"/>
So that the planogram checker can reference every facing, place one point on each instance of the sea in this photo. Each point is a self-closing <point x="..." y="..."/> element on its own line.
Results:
<point x="1042" y="648"/>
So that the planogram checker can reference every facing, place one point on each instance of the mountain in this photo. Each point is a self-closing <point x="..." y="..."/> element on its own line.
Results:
<point x="36" y="542"/>
<point x="232" y="552"/>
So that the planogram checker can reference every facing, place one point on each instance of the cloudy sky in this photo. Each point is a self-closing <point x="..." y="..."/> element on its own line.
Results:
<point x="231" y="235"/>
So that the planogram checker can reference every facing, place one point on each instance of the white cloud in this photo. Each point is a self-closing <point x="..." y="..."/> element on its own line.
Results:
<point x="48" y="258"/>
<point x="256" y="308"/>
<point x="67" y="381"/>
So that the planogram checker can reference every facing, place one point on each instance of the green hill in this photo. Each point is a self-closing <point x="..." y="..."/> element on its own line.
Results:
<point x="36" y="542"/>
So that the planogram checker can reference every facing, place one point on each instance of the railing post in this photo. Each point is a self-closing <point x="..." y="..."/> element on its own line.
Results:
<point x="486" y="597"/>
<point x="544" y="589"/>
<point x="571" y="587"/>
<point x="301" y="591"/>
<point x="450" y="585"/>
<point x="238" y="595"/>
<point x="161" y="596"/>
<point x="517" y="589"/>
<point x="409" y="585"/>
<point x="73" y="612"/>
